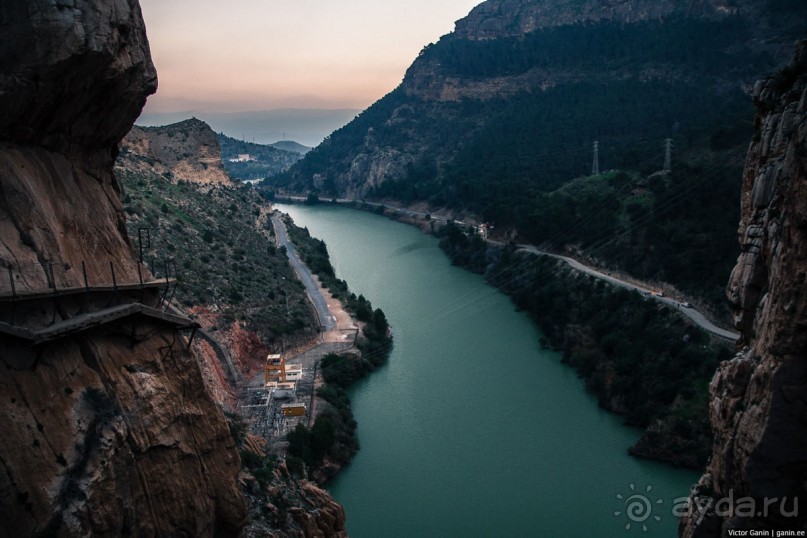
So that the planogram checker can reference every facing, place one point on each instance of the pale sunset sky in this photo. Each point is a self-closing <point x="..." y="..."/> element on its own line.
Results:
<point x="244" y="55"/>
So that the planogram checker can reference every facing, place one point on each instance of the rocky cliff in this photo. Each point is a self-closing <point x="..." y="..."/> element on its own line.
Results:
<point x="107" y="427"/>
<point x="188" y="151"/>
<point x="497" y="18"/>
<point x="74" y="77"/>
<point x="758" y="408"/>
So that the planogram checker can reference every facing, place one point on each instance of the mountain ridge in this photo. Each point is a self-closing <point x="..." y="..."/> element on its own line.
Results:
<point x="492" y="127"/>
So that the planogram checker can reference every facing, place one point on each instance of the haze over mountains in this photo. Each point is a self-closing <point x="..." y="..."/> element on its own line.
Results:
<point x="109" y="424"/>
<point x="305" y="126"/>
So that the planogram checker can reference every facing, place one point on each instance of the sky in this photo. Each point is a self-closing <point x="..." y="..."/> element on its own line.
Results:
<point x="243" y="55"/>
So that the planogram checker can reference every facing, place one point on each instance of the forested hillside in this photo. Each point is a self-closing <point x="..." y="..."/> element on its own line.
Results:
<point x="264" y="160"/>
<point x="499" y="127"/>
<point x="210" y="239"/>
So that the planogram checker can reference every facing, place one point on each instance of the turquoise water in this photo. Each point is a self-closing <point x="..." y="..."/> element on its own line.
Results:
<point x="472" y="430"/>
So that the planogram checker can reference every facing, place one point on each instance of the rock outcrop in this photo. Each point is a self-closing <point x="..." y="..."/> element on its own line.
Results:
<point x="285" y="505"/>
<point x="187" y="151"/>
<point x="75" y="76"/>
<point x="107" y="427"/>
<point x="499" y="18"/>
<point x="758" y="403"/>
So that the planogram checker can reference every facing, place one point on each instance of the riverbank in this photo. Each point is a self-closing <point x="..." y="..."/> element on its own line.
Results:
<point x="640" y="358"/>
<point x="471" y="428"/>
<point x="419" y="215"/>
<point x="320" y="451"/>
<point x="653" y="369"/>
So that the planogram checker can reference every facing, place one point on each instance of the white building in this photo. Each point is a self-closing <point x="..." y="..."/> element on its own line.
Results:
<point x="294" y="372"/>
<point x="281" y="391"/>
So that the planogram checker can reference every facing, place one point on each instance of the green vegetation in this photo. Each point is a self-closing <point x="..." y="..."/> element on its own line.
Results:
<point x="700" y="45"/>
<point x="640" y="358"/>
<point x="334" y="432"/>
<point x="207" y="236"/>
<point x="311" y="446"/>
<point x="519" y="160"/>
<point x="267" y="160"/>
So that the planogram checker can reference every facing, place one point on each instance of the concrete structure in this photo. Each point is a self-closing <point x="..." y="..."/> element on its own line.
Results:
<point x="294" y="372"/>
<point x="275" y="371"/>
<point x="281" y="391"/>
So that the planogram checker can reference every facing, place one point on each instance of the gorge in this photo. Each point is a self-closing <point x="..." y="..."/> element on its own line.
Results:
<point x="112" y="402"/>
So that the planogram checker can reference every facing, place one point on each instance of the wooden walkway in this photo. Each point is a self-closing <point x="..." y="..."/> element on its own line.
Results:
<point x="60" y="292"/>
<point x="85" y="322"/>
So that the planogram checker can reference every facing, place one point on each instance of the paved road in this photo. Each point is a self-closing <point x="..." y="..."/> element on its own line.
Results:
<point x="326" y="320"/>
<point x="697" y="317"/>
<point x="690" y="312"/>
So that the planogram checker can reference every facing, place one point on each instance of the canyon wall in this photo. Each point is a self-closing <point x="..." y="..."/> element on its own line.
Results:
<point x="75" y="76"/>
<point x="107" y="427"/>
<point x="497" y="18"/>
<point x="758" y="403"/>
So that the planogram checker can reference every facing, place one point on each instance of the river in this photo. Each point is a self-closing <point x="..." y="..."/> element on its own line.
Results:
<point x="472" y="430"/>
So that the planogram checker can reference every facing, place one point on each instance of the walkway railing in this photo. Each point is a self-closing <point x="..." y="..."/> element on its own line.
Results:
<point x="52" y="281"/>
<point x="38" y="278"/>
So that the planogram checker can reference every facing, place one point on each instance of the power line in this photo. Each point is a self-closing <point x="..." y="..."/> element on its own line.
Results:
<point x="595" y="166"/>
<point x="668" y="155"/>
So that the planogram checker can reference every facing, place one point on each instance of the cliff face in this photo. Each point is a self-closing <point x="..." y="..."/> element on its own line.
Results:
<point x="188" y="150"/>
<point x="105" y="434"/>
<point x="107" y="428"/>
<point x="75" y="76"/>
<point x="758" y="405"/>
<point x="500" y="18"/>
<point x="504" y="19"/>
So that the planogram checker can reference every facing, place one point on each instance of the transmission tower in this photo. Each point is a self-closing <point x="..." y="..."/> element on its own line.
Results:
<point x="595" y="165"/>
<point x="668" y="155"/>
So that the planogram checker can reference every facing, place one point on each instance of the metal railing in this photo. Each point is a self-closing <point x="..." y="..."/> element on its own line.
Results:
<point x="52" y="281"/>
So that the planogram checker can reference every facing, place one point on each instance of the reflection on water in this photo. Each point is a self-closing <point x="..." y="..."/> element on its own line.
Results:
<point x="472" y="430"/>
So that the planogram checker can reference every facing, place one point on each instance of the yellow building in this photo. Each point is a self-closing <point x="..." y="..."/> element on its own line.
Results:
<point x="296" y="409"/>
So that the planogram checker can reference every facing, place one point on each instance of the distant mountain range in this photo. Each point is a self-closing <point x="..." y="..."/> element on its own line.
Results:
<point x="250" y="161"/>
<point x="289" y="145"/>
<point x="307" y="126"/>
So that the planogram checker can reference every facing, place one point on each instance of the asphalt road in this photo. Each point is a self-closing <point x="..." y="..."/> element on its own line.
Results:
<point x="698" y="318"/>
<point x="326" y="320"/>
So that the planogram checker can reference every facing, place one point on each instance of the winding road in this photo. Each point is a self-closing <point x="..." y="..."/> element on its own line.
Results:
<point x="326" y="319"/>
<point x="697" y="317"/>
